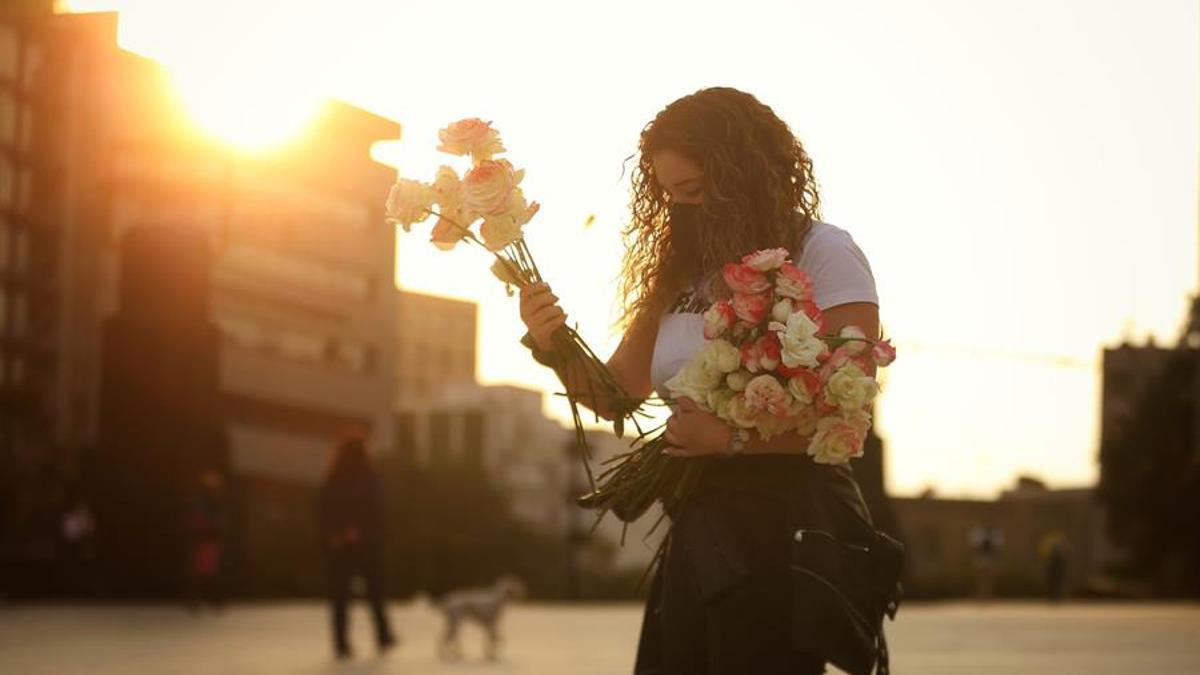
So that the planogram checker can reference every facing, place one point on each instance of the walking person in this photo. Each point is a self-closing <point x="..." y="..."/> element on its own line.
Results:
<point x="352" y="539"/>
<point x="205" y="527"/>
<point x="720" y="175"/>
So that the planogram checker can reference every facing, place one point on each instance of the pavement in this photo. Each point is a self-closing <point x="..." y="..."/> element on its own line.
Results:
<point x="547" y="639"/>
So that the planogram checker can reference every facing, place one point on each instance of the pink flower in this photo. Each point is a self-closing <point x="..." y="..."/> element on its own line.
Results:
<point x="751" y="308"/>
<point x="769" y="351"/>
<point x="752" y="356"/>
<point x="804" y="386"/>
<point x="839" y="438"/>
<point x="718" y="319"/>
<point x="792" y="282"/>
<point x="883" y="353"/>
<point x="745" y="279"/>
<point x="813" y="312"/>
<point x="767" y="259"/>
<point x="472" y="137"/>
<point x="446" y="234"/>
<point x="857" y="340"/>
<point x="487" y="189"/>
<point x="765" y="393"/>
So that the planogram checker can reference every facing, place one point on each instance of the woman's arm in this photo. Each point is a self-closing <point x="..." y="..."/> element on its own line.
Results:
<point x="695" y="432"/>
<point x="629" y="365"/>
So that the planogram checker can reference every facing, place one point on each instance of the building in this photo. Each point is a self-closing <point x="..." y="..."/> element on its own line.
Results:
<point x="299" y="268"/>
<point x="943" y="538"/>
<point x="435" y="345"/>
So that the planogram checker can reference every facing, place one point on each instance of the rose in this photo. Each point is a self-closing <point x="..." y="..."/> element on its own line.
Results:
<point x="471" y="136"/>
<point x="694" y="381"/>
<point x="856" y="340"/>
<point x="751" y="356"/>
<point x="751" y="308"/>
<point x="718" y="319"/>
<point x="883" y="353"/>
<point x="409" y="202"/>
<point x="505" y="273"/>
<point x="764" y="393"/>
<point x="744" y="279"/>
<point x="767" y="259"/>
<point x="722" y="356"/>
<point x="504" y="228"/>
<point x="447" y="232"/>
<point x="804" y="386"/>
<point x="839" y="438"/>
<point x="741" y="413"/>
<point x="792" y="282"/>
<point x="805" y="419"/>
<point x="782" y="310"/>
<point x="801" y="346"/>
<point x="769" y="352"/>
<point x="849" y="388"/>
<point x="488" y="188"/>
<point x="738" y="380"/>
<point x="719" y="400"/>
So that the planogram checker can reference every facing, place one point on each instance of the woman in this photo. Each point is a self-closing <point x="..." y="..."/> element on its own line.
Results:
<point x="720" y="175"/>
<point x="352" y="536"/>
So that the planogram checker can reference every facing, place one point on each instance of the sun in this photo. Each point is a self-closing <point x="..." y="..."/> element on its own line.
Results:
<point x="240" y="70"/>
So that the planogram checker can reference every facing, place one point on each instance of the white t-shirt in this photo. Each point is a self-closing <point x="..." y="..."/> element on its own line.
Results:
<point x="840" y="274"/>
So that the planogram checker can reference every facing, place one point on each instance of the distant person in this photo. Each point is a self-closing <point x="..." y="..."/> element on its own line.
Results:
<point x="78" y="530"/>
<point x="986" y="543"/>
<point x="205" y="525"/>
<point x="352" y="537"/>
<point x="1055" y="557"/>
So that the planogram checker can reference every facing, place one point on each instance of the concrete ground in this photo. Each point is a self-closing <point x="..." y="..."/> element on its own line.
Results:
<point x="564" y="640"/>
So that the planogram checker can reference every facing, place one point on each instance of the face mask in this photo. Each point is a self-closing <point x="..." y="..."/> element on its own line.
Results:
<point x="684" y="221"/>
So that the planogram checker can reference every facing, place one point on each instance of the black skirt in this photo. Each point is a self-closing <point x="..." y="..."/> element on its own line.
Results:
<point x="721" y="600"/>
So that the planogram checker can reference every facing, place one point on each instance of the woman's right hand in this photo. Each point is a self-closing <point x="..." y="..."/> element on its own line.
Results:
<point x="541" y="313"/>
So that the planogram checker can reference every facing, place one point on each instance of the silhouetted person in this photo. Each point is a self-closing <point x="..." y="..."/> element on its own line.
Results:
<point x="352" y="536"/>
<point x="204" y="525"/>
<point x="1056" y="570"/>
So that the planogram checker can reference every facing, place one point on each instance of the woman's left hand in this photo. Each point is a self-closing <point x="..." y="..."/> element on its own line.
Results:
<point x="693" y="432"/>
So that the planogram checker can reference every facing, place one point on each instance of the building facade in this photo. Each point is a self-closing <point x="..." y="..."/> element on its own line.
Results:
<point x="435" y="345"/>
<point x="94" y="146"/>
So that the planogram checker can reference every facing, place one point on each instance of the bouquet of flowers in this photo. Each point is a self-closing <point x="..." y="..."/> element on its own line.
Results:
<point x="766" y="367"/>
<point x="486" y="207"/>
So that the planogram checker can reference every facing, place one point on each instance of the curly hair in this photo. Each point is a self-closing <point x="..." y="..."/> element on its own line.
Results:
<point x="758" y="192"/>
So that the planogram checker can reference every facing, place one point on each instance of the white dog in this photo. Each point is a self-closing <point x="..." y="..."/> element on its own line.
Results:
<point x="482" y="605"/>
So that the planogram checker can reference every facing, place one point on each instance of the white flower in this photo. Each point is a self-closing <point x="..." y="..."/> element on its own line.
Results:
<point x="781" y="311"/>
<point x="798" y="342"/>
<point x="409" y="202"/>
<point x="850" y="389"/>
<point x="694" y="381"/>
<point x="719" y="400"/>
<point x="721" y="356"/>
<point x="738" y="380"/>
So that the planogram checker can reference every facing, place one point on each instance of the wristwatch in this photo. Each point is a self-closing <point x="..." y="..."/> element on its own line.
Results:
<point x="737" y="441"/>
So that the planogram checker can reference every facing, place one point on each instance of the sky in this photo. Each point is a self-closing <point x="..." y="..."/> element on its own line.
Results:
<point x="1022" y="175"/>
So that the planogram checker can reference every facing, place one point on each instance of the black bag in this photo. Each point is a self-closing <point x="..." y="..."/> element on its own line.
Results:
<point x="845" y="574"/>
<point x="843" y="590"/>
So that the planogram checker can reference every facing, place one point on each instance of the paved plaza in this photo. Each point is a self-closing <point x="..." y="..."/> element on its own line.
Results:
<point x="566" y="640"/>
